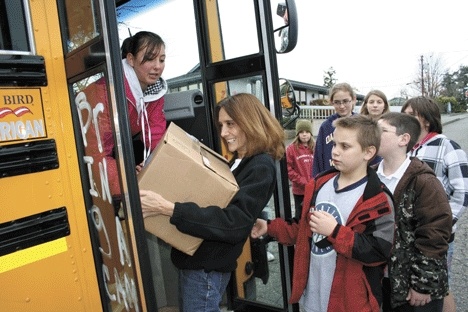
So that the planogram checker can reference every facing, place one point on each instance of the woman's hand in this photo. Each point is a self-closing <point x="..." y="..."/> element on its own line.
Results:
<point x="259" y="229"/>
<point x="139" y="168"/>
<point x="153" y="204"/>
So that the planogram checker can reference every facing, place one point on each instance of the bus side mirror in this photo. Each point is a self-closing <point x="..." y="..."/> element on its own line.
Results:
<point x="288" y="97"/>
<point x="285" y="25"/>
<point x="289" y="105"/>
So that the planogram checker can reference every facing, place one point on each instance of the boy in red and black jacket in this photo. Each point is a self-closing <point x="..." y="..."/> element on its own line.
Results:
<point x="343" y="243"/>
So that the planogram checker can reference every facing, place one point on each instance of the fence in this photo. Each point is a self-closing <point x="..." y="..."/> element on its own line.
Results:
<point x="316" y="112"/>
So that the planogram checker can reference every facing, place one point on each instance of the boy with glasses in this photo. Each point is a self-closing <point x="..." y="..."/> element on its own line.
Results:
<point x="344" y="236"/>
<point x="417" y="268"/>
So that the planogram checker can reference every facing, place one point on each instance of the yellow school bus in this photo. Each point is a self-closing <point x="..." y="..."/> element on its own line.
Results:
<point x="67" y="243"/>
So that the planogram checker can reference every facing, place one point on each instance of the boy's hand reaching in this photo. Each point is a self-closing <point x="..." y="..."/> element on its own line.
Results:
<point x="259" y="229"/>
<point x="321" y="222"/>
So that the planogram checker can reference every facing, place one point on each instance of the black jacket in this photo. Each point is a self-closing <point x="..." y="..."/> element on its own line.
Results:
<point x="224" y="231"/>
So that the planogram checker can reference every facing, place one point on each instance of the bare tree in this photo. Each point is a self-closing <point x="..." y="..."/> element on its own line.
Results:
<point x="429" y="76"/>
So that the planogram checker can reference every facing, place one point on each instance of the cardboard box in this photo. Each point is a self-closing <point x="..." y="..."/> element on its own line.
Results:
<point x="182" y="169"/>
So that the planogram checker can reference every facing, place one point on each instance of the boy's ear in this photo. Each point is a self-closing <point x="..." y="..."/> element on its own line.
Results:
<point x="370" y="152"/>
<point x="404" y="139"/>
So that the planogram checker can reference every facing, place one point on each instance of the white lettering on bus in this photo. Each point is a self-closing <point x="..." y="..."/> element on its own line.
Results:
<point x="124" y="287"/>
<point x="27" y="129"/>
<point x="98" y="109"/>
<point x="100" y="226"/>
<point x="83" y="104"/>
<point x="89" y="161"/>
<point x="124" y="290"/>
<point x="123" y="249"/>
<point x="105" y="189"/>
<point x="106" y="194"/>
<point x="106" y="275"/>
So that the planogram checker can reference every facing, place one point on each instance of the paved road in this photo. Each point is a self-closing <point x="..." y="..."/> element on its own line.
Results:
<point x="460" y="265"/>
<point x="456" y="128"/>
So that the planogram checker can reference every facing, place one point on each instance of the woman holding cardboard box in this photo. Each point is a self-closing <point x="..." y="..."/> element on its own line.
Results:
<point x="256" y="139"/>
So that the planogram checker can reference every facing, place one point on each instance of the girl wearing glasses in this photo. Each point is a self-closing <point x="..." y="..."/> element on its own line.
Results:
<point x="343" y="98"/>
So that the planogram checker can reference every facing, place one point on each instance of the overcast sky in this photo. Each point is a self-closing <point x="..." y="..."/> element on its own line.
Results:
<point x="371" y="44"/>
<point x="377" y="44"/>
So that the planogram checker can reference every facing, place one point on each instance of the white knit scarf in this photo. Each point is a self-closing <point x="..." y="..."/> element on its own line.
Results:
<point x="140" y="99"/>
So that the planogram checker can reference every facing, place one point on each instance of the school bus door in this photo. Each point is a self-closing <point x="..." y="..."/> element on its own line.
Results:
<point x="249" y="67"/>
<point x="66" y="243"/>
<point x="99" y="110"/>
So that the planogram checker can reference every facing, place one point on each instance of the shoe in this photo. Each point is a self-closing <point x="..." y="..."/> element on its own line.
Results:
<point x="270" y="256"/>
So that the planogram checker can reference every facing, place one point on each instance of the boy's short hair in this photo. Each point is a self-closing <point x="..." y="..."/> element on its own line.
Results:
<point x="404" y="123"/>
<point x="368" y="130"/>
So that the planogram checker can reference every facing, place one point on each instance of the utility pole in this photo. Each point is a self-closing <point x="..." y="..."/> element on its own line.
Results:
<point x="422" y="76"/>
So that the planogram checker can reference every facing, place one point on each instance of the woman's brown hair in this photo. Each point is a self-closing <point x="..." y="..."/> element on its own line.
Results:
<point x="378" y="93"/>
<point x="263" y="132"/>
<point x="427" y="109"/>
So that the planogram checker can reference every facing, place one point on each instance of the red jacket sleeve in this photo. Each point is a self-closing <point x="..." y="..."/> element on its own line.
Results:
<point x="157" y="122"/>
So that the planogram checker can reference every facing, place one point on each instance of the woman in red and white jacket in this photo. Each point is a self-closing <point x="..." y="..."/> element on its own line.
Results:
<point x="143" y="63"/>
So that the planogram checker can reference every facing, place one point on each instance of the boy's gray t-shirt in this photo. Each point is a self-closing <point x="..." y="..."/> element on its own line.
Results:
<point x="323" y="260"/>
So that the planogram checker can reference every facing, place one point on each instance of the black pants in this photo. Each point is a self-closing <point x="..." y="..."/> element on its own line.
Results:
<point x="386" y="295"/>
<point x="138" y="149"/>
<point x="433" y="306"/>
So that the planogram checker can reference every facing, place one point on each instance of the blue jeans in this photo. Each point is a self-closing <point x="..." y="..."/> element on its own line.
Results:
<point x="449" y="259"/>
<point x="201" y="291"/>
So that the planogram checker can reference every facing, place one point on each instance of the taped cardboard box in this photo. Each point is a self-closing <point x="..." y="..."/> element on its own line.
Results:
<point x="182" y="169"/>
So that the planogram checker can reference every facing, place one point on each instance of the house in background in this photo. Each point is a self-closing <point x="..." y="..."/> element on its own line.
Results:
<point x="305" y="92"/>
<point x="306" y="95"/>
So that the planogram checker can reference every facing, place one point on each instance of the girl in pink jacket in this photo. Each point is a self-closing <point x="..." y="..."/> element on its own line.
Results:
<point x="299" y="157"/>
